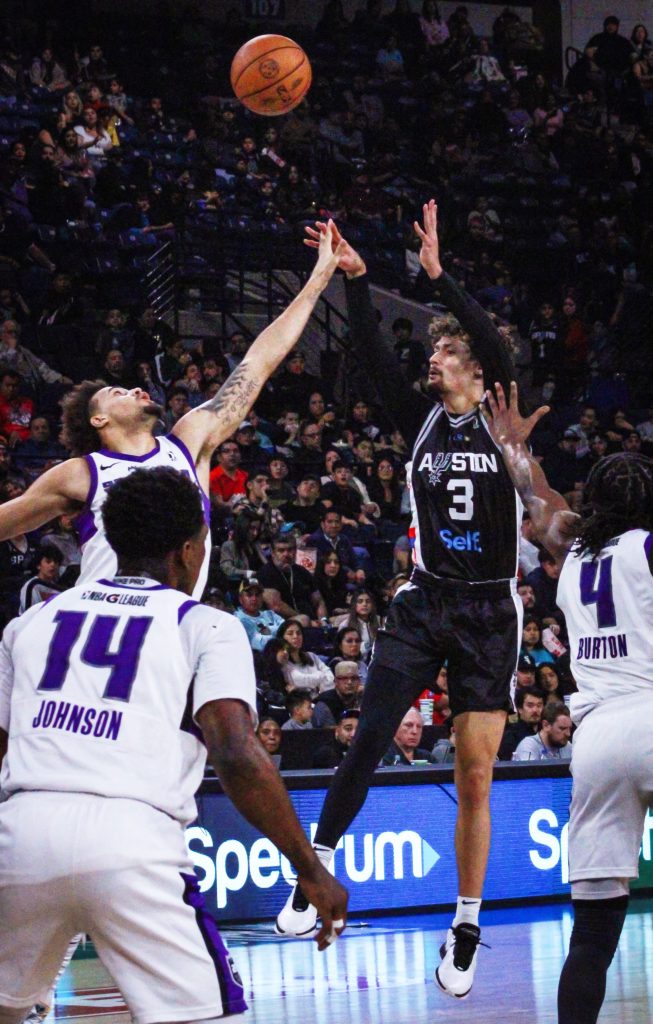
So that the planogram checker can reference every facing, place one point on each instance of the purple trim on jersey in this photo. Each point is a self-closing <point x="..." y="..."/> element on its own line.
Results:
<point x="648" y="545"/>
<point x="231" y="987"/>
<point x="183" y="608"/>
<point x="107" y="454"/>
<point x="85" y="523"/>
<point x="206" y="501"/>
<point x="127" y="586"/>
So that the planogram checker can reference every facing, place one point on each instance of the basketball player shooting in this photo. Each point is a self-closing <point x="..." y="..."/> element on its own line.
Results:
<point x="106" y="722"/>
<point x="605" y="590"/>
<point x="461" y="604"/>
<point x="109" y="431"/>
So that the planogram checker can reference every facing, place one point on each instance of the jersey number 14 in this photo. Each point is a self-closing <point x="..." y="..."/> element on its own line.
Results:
<point x="123" y="662"/>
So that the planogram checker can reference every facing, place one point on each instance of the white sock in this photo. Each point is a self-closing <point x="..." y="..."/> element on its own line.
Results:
<point x="324" y="854"/>
<point x="467" y="909"/>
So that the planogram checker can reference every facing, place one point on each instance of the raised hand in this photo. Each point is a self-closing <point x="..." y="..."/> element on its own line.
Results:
<point x="328" y="252"/>
<point x="348" y="259"/>
<point x="429" y="254"/>
<point x="506" y="424"/>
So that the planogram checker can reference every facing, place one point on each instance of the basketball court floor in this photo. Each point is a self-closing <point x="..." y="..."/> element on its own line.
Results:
<point x="381" y="972"/>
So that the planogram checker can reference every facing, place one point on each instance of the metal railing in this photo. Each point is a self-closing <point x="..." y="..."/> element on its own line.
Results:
<point x="160" y="282"/>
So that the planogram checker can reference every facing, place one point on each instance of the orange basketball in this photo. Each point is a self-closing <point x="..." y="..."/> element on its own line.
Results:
<point x="270" y="75"/>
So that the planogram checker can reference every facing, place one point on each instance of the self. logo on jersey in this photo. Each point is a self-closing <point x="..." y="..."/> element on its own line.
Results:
<point x="470" y="540"/>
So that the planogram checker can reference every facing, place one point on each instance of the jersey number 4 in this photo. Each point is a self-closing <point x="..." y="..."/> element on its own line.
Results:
<point x="123" y="662"/>
<point x="600" y="595"/>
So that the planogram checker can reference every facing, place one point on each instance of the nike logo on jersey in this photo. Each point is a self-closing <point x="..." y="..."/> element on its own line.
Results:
<point x="109" y="466"/>
<point x="457" y="462"/>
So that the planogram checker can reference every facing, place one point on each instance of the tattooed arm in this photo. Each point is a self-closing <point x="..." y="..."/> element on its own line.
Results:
<point x="553" y="521"/>
<point x="204" y="428"/>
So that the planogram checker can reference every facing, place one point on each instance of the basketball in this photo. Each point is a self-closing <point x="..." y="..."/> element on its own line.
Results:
<point x="270" y="75"/>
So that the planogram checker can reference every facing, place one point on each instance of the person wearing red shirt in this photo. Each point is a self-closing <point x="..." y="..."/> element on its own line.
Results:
<point x="226" y="479"/>
<point x="16" y="411"/>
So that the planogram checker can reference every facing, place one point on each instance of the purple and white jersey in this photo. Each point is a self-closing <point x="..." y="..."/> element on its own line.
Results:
<point x="608" y="606"/>
<point x="100" y="686"/>
<point x="98" y="558"/>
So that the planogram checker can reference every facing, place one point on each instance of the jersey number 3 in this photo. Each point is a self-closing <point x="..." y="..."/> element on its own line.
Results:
<point x="463" y="499"/>
<point x="600" y="595"/>
<point x="123" y="662"/>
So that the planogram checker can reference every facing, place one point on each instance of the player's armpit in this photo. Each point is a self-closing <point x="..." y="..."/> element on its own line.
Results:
<point x="64" y="488"/>
<point x="4" y="740"/>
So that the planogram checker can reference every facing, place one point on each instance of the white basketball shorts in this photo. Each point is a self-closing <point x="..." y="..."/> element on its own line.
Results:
<point x="612" y="766"/>
<point x="119" y="871"/>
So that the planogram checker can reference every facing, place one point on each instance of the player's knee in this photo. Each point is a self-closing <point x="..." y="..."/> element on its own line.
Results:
<point x="473" y="781"/>
<point x="598" y="925"/>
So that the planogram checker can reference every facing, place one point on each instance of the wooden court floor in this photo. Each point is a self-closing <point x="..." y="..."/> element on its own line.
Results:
<point x="381" y="972"/>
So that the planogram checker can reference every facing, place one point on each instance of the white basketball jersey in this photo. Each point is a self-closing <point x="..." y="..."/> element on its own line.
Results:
<point x="99" y="688"/>
<point x="98" y="558"/>
<point x="608" y="606"/>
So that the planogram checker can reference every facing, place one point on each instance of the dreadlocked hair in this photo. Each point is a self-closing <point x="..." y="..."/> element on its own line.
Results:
<point x="619" y="497"/>
<point x="77" y="434"/>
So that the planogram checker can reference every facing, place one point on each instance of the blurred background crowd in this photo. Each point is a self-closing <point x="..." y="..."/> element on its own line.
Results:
<point x="116" y="160"/>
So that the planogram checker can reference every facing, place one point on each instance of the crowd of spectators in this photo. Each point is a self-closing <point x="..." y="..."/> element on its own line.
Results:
<point x="544" y="189"/>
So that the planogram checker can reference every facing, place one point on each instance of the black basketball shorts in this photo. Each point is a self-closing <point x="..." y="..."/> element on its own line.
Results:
<point x="476" y="628"/>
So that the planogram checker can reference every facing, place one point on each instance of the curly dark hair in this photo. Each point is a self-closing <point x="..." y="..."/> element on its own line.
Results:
<point x="619" y="497"/>
<point x="78" y="436"/>
<point x="150" y="513"/>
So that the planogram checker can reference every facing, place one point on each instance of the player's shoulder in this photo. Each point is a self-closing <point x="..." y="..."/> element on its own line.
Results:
<point x="202" y="620"/>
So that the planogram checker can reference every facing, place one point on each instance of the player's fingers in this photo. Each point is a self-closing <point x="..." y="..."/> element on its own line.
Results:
<point x="491" y="403"/>
<point x="312" y="232"/>
<point x="419" y="232"/>
<point x="537" y="415"/>
<point x="337" y="237"/>
<point x="311" y="243"/>
<point x="501" y="397"/>
<point x="514" y="394"/>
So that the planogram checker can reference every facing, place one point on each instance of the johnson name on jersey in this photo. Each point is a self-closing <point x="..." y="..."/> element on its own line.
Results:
<point x="608" y="607"/>
<point x="98" y="559"/>
<point x="99" y="688"/>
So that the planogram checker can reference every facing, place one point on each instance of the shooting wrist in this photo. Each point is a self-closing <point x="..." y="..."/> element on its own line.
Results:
<point x="360" y="270"/>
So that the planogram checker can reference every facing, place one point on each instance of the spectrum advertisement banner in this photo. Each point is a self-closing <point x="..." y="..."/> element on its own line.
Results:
<point x="399" y="852"/>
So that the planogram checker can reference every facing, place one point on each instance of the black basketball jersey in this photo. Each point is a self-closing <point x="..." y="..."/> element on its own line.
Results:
<point x="466" y="511"/>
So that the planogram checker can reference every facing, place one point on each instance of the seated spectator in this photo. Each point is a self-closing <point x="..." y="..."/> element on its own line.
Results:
<point x="47" y="73"/>
<point x="565" y="465"/>
<point x="253" y="456"/>
<point x="547" y="679"/>
<point x="331" y="579"/>
<point x="294" y="385"/>
<point x="330" y="538"/>
<point x="227" y="479"/>
<point x="525" y="674"/>
<point x="325" y="418"/>
<point x="14" y="356"/>
<point x="280" y="491"/>
<point x="308" y="457"/>
<point x="362" y="422"/>
<point x="304" y="670"/>
<point x="531" y="644"/>
<point x="410" y="353"/>
<point x="255" y="502"/>
<point x="39" y="451"/>
<point x="305" y="508"/>
<point x="385" y="490"/>
<point x="346" y="694"/>
<point x="486" y="69"/>
<point x="335" y="749"/>
<point x="529" y="702"/>
<point x="16" y="410"/>
<point x="347" y="647"/>
<point x="444" y="751"/>
<point x="342" y="498"/>
<point x="544" y="582"/>
<point x="289" y="589"/>
<point x="243" y="556"/>
<point x="93" y="138"/>
<point x="168" y="364"/>
<point x="261" y="624"/>
<point x="64" y="537"/>
<point x="363" y="616"/>
<point x="269" y="670"/>
<point x="45" y="583"/>
<point x="405" y="747"/>
<point x="390" y="60"/>
<point x="269" y="734"/>
<point x="552" y="741"/>
<point x="299" y="705"/>
<point x="645" y="430"/>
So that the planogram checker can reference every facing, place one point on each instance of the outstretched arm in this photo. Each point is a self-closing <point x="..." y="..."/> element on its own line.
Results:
<point x="405" y="406"/>
<point x="488" y="345"/>
<point x="204" y="428"/>
<point x="64" y="488"/>
<point x="553" y="521"/>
